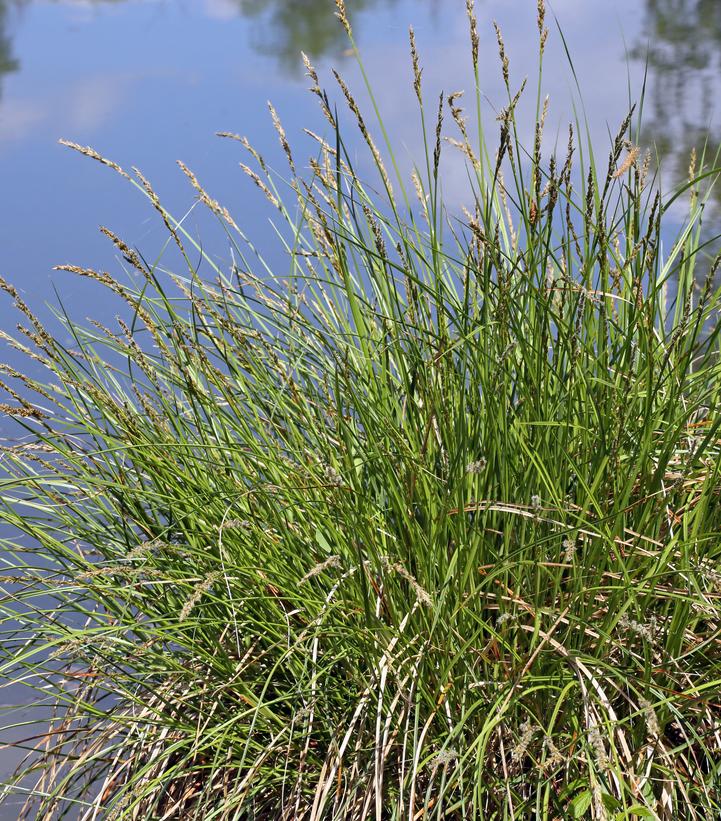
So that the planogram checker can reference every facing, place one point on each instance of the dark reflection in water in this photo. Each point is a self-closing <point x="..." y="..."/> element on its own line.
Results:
<point x="684" y="35"/>
<point x="7" y="62"/>
<point x="285" y="27"/>
<point x="681" y="39"/>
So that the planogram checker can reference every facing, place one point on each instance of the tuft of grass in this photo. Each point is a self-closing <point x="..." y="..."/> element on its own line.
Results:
<point x="425" y="526"/>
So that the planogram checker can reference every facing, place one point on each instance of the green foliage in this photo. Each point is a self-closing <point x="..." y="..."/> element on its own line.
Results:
<point x="425" y="526"/>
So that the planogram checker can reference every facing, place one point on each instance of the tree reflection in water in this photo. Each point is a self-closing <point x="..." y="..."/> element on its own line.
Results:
<point x="287" y="27"/>
<point x="681" y="39"/>
<point x="7" y="62"/>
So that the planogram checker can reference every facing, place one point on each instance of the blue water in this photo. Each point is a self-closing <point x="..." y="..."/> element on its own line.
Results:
<point x="147" y="83"/>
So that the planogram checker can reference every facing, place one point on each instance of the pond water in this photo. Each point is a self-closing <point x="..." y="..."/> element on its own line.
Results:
<point x="149" y="82"/>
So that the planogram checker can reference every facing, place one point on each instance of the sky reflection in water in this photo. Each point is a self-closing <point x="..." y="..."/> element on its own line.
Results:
<point x="147" y="83"/>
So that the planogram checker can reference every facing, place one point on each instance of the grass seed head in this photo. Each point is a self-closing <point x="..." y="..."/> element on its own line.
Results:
<point x="342" y="15"/>
<point x="473" y="24"/>
<point x="417" y="70"/>
<point x="528" y="731"/>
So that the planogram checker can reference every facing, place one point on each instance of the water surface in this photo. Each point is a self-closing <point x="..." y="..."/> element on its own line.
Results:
<point x="147" y="83"/>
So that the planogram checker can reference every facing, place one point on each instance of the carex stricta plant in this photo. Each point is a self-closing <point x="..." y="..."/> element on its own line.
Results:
<point x="423" y="526"/>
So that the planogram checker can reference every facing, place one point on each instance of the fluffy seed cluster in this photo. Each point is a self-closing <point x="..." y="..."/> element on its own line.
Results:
<point x="528" y="731"/>
<point x="646" y="630"/>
